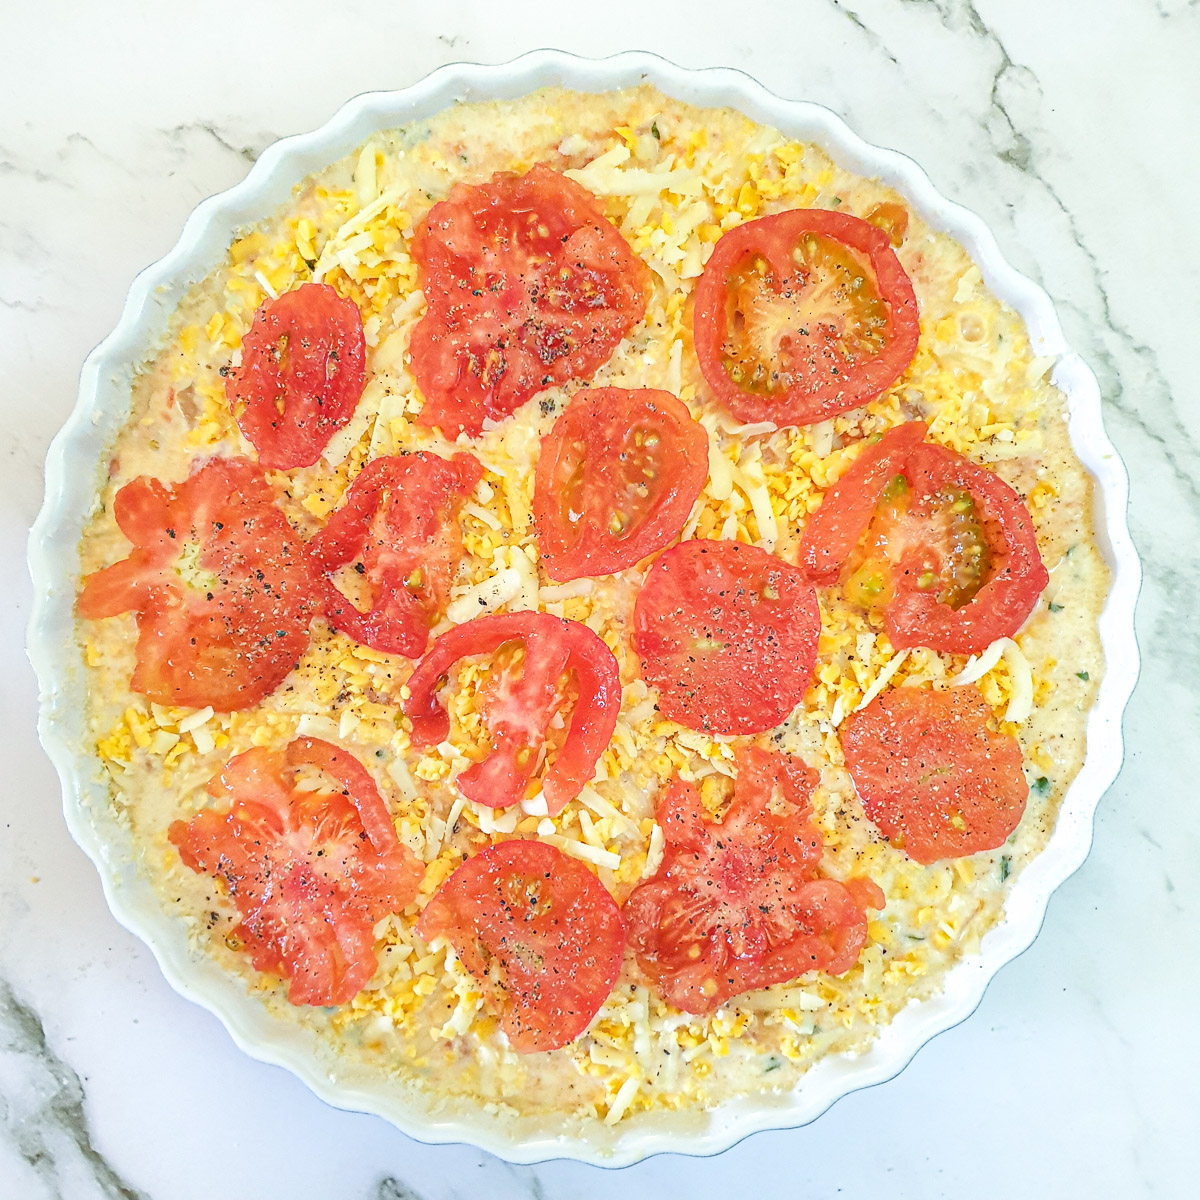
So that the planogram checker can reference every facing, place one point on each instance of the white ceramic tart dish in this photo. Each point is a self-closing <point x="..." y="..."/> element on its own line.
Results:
<point x="77" y="470"/>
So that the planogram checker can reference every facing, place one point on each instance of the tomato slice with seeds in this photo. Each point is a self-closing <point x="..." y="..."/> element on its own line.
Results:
<point x="616" y="480"/>
<point x="932" y="774"/>
<point x="727" y="633"/>
<point x="399" y="520"/>
<point x="528" y="285"/>
<point x="302" y="372"/>
<point x="944" y="548"/>
<point x="551" y="665"/>
<point x="219" y="582"/>
<point x="737" y="904"/>
<point x="802" y="315"/>
<point x="311" y="872"/>
<point x="538" y="931"/>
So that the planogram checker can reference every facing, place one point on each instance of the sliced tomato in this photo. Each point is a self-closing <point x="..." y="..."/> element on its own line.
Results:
<point x="550" y="665"/>
<point x="737" y="904"/>
<point x="302" y="372"/>
<point x="932" y="774"/>
<point x="311" y="872"/>
<point x="727" y="633"/>
<point x="943" y="547"/>
<point x="802" y="315"/>
<point x="616" y="479"/>
<point x="539" y="932"/>
<point x="399" y="520"/>
<point x="220" y="584"/>
<point x="527" y="285"/>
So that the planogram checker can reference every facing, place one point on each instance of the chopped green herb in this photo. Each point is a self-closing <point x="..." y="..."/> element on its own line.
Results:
<point x="1054" y="607"/>
<point x="1083" y="675"/>
<point x="656" y="134"/>
<point x="836" y="201"/>
<point x="773" y="1063"/>
<point x="915" y="937"/>
<point x="1041" y="785"/>
<point x="1005" y="867"/>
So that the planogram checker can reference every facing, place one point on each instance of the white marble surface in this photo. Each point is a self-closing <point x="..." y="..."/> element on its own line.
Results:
<point x="1071" y="129"/>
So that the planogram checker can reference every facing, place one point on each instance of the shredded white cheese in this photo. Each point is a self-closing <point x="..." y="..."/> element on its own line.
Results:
<point x="581" y="850"/>
<point x="882" y="680"/>
<point x="654" y="854"/>
<point x="1020" y="704"/>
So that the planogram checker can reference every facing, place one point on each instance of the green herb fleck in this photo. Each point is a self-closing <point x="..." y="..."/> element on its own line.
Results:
<point x="1054" y="607"/>
<point x="1083" y="675"/>
<point x="1005" y="867"/>
<point x="657" y="135"/>
<point x="773" y="1064"/>
<point x="1041" y="785"/>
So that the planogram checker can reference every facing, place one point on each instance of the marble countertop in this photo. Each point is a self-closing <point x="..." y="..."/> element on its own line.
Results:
<point x="1074" y="138"/>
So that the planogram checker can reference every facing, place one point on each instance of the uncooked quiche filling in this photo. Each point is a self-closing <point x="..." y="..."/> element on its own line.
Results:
<point x="591" y="610"/>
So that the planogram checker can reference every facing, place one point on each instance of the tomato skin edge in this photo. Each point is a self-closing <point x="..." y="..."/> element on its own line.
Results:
<point x="592" y="722"/>
<point x="917" y="756"/>
<point x="592" y="932"/>
<point x="824" y="546"/>
<point x="794" y="408"/>
<point x="232" y="641"/>
<point x="761" y="681"/>
<point x="1007" y="597"/>
<point x="913" y="618"/>
<point x="272" y="836"/>
<point x="685" y="462"/>
<point x="297" y="437"/>
<point x="398" y="621"/>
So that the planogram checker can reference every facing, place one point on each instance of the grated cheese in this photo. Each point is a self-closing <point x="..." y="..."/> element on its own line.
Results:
<point x="1021" y="703"/>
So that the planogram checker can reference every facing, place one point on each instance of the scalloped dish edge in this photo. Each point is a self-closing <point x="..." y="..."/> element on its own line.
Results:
<point x="71" y="473"/>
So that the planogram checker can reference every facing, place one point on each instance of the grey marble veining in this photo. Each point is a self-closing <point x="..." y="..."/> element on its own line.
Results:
<point x="1071" y="129"/>
<point x="42" y="1110"/>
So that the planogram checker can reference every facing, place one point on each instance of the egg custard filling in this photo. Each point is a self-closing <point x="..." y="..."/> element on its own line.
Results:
<point x="591" y="610"/>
